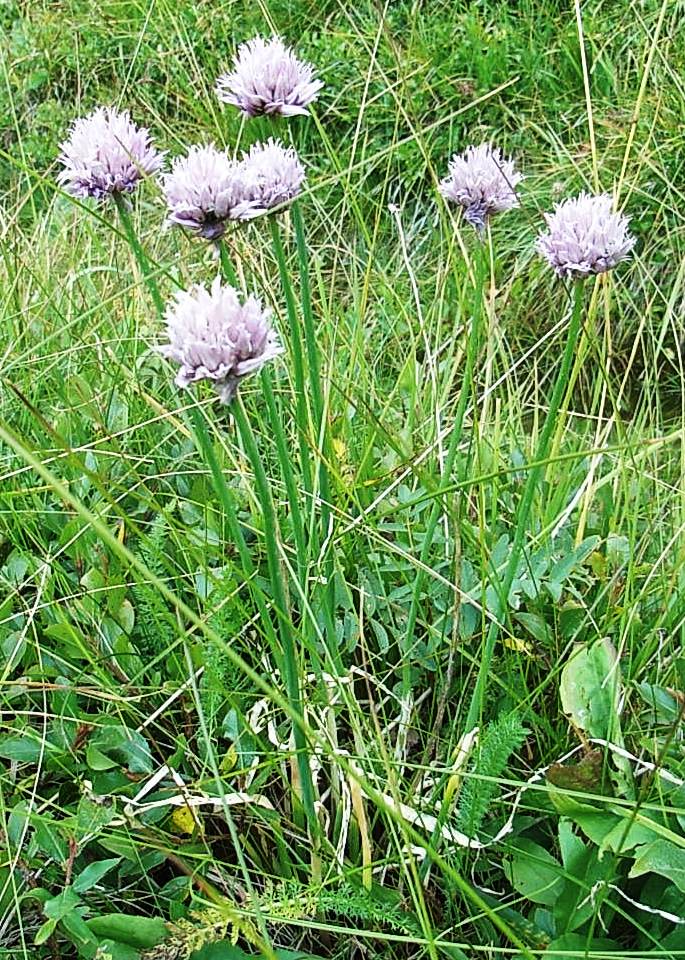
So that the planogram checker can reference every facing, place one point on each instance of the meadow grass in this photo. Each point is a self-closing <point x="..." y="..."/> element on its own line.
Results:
<point x="325" y="671"/>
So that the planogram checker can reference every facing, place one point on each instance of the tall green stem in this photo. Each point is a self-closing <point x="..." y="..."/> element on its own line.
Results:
<point x="297" y="351"/>
<point x="288" y="475"/>
<point x="138" y="252"/>
<point x="466" y="390"/>
<point x="227" y="267"/>
<point x="225" y="495"/>
<point x="322" y="437"/>
<point x="529" y="491"/>
<point x="276" y="423"/>
<point x="278" y="586"/>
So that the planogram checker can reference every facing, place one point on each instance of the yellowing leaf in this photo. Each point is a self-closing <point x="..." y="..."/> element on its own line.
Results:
<point x="520" y="646"/>
<point x="183" y="820"/>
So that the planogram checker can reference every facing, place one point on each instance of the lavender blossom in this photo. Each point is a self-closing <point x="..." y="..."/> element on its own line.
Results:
<point x="213" y="336"/>
<point x="106" y="154"/>
<point x="483" y="182"/>
<point x="202" y="191"/>
<point x="267" y="78"/>
<point x="585" y="236"/>
<point x="269" y="176"/>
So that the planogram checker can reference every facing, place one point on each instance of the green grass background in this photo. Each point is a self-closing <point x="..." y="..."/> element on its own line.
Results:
<point x="90" y="644"/>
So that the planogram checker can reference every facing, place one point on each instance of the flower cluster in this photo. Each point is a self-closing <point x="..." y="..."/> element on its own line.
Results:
<point x="206" y="189"/>
<point x="106" y="154"/>
<point x="585" y="236"/>
<point x="482" y="182"/>
<point x="202" y="191"/>
<point x="213" y="336"/>
<point x="267" y="78"/>
<point x="270" y="176"/>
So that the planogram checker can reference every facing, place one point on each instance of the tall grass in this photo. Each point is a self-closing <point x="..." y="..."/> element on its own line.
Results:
<point x="295" y="611"/>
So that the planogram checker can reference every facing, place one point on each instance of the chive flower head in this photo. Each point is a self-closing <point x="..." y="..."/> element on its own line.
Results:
<point x="106" y="154"/>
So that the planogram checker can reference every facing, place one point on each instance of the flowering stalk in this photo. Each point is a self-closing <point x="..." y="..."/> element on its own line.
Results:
<point x="276" y="423"/>
<point x="530" y="489"/>
<point x="320" y="419"/>
<point x="297" y="352"/>
<point x="138" y="252"/>
<point x="472" y="348"/>
<point x="279" y="589"/>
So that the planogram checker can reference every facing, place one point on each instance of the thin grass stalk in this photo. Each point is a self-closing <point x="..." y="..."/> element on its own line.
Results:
<point x="466" y="391"/>
<point x="323" y="443"/>
<point x="523" y="514"/>
<point x="139" y="253"/>
<point x="297" y="352"/>
<point x="290" y="663"/>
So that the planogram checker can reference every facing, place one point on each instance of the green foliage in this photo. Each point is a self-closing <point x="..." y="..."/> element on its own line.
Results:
<point x="496" y="744"/>
<point x="147" y="744"/>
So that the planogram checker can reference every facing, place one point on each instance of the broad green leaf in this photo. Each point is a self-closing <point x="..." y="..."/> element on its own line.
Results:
<point x="25" y="749"/>
<point x="660" y="700"/>
<point x="79" y="933"/>
<point x="50" y="840"/>
<point x="534" y="872"/>
<point x="45" y="932"/>
<point x="93" y="873"/>
<point x="118" y="951"/>
<point x="590" y="691"/>
<point x="143" y="933"/>
<point x="97" y="760"/>
<point x="662" y="857"/>
<point x="127" y="747"/>
<point x="92" y="817"/>
<point x="536" y="626"/>
<point x="578" y="945"/>
<point x="590" y="688"/>
<point x="612" y="832"/>
<point x="222" y="950"/>
<point x="63" y="904"/>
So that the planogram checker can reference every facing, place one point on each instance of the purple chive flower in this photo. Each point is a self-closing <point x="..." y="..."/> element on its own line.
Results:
<point x="202" y="191"/>
<point x="106" y="154"/>
<point x="584" y="236"/>
<point x="267" y="78"/>
<point x="269" y="176"/>
<point x="483" y="182"/>
<point x="213" y="336"/>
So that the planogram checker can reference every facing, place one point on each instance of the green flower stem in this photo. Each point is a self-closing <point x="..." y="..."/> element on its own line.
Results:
<point x="276" y="423"/>
<point x="225" y="494"/>
<point x="227" y="268"/>
<point x="288" y="475"/>
<point x="279" y="590"/>
<point x="297" y="353"/>
<point x="322" y="436"/>
<point x="139" y="253"/>
<point x="472" y="348"/>
<point x="529" y="491"/>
